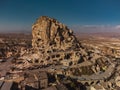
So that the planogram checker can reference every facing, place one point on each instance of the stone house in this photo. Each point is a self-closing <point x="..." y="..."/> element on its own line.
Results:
<point x="37" y="80"/>
<point x="31" y="82"/>
<point x="42" y="78"/>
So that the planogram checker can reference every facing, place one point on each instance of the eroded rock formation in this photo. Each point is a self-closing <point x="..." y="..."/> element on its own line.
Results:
<point x="54" y="41"/>
<point x="49" y="32"/>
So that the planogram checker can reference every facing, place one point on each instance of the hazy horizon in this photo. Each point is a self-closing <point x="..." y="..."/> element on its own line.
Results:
<point x="77" y="28"/>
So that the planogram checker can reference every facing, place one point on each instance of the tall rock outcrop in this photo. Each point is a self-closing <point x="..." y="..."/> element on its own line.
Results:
<point x="49" y="32"/>
<point x="54" y="41"/>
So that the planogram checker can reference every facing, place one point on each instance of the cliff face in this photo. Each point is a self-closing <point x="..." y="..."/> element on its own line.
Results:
<point x="49" y="32"/>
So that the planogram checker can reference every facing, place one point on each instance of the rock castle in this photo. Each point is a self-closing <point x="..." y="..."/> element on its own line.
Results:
<point x="54" y="42"/>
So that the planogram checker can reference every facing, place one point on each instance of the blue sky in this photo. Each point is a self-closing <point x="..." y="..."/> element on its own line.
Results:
<point x="21" y="14"/>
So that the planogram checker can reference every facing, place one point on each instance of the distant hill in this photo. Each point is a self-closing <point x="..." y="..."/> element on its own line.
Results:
<point x="16" y="31"/>
<point x="95" y="28"/>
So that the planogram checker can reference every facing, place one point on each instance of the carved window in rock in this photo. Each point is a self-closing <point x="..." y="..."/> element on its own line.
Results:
<point x="57" y="55"/>
<point x="97" y="82"/>
<point x="39" y="39"/>
<point x="60" y="59"/>
<point x="52" y="43"/>
<point x="86" y="84"/>
<point x="41" y="61"/>
<point x="53" y="56"/>
<point x="36" y="61"/>
<point x="48" y="51"/>
<point x="48" y="58"/>
<point x="67" y="56"/>
<point x="92" y="82"/>
<point x="54" y="50"/>
<point x="71" y="63"/>
<point x="54" y="59"/>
